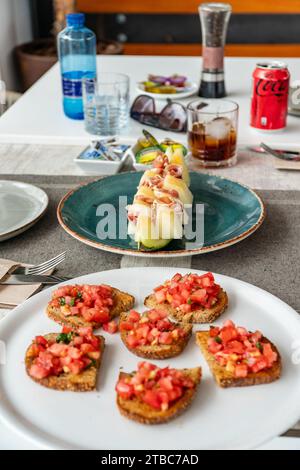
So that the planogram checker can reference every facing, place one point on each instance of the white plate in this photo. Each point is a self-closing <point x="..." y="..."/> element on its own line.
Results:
<point x="218" y="418"/>
<point x="180" y="95"/>
<point x="21" y="205"/>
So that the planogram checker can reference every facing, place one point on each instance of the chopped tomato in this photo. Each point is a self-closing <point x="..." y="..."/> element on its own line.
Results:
<point x="165" y="338"/>
<point x="126" y="326"/>
<point x="133" y="316"/>
<point x="38" y="372"/>
<point x="186" y="293"/>
<point x="66" y="329"/>
<point x="125" y="390"/>
<point x="111" y="327"/>
<point x="65" y="355"/>
<point x="160" y="296"/>
<point x="151" y="328"/>
<point x="41" y="340"/>
<point x="91" y="302"/>
<point x="239" y="350"/>
<point x="152" y="398"/>
<point x="214" y="331"/>
<point x="158" y="388"/>
<point x="241" y="370"/>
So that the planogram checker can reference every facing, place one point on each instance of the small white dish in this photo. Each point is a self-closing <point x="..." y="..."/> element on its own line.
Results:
<point x="102" y="167"/>
<point x="21" y="206"/>
<point x="190" y="90"/>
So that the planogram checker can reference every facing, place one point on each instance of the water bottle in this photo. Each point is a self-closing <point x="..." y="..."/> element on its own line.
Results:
<point x="77" y="55"/>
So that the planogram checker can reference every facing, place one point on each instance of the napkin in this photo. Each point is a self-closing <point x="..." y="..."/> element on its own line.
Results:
<point x="286" y="165"/>
<point x="11" y="296"/>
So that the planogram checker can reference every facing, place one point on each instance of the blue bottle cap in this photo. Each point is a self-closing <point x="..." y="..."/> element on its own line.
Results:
<point x="75" y="19"/>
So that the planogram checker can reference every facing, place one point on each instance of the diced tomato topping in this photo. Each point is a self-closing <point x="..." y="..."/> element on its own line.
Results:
<point x="158" y="388"/>
<point x="186" y="293"/>
<point x="41" y="340"/>
<point x="125" y="390"/>
<point x="151" y="328"/>
<point x="160" y="296"/>
<point x="38" y="372"/>
<point x="91" y="302"/>
<point x="111" y="327"/>
<point x="71" y="352"/>
<point x="241" y="370"/>
<point x="133" y="316"/>
<point x="214" y="332"/>
<point x="239" y="350"/>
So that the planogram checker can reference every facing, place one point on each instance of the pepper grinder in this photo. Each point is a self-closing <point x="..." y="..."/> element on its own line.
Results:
<point x="214" y="19"/>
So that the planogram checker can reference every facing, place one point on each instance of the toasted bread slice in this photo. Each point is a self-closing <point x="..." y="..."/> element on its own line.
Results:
<point x="122" y="302"/>
<point x="226" y="379"/>
<point x="83" y="382"/>
<point x="141" y="412"/>
<point x="159" y="351"/>
<point x="202" y="315"/>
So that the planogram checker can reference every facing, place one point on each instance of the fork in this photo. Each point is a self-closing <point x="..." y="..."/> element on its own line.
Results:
<point x="42" y="267"/>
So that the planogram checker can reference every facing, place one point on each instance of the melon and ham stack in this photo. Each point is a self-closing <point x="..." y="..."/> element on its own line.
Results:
<point x="158" y="212"/>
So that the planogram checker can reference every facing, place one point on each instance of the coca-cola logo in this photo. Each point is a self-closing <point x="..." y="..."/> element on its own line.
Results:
<point x="271" y="87"/>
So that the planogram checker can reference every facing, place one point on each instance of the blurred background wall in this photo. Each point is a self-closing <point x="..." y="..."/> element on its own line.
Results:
<point x="16" y="27"/>
<point x="258" y="28"/>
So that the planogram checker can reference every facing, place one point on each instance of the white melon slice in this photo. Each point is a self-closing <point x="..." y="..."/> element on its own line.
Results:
<point x="177" y="158"/>
<point x="172" y="183"/>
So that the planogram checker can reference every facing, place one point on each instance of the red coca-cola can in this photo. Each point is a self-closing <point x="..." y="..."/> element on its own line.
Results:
<point x="270" y="91"/>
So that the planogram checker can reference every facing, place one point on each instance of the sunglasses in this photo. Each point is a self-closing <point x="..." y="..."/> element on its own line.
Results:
<point x="173" y="117"/>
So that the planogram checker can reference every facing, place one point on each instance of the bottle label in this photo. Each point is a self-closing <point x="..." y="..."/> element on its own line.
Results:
<point x="213" y="58"/>
<point x="72" y="88"/>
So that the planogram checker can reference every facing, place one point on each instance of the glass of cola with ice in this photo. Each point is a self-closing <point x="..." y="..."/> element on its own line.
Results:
<point x="212" y="132"/>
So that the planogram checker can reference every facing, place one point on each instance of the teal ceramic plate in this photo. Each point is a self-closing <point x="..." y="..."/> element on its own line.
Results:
<point x="232" y="212"/>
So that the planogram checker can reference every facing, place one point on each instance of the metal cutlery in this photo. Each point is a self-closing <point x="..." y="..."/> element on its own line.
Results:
<point x="25" y="279"/>
<point x="42" y="267"/>
<point x="289" y="155"/>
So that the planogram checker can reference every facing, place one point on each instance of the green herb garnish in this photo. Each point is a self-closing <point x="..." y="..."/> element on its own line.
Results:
<point x="72" y="302"/>
<point x="189" y="301"/>
<point x="218" y="339"/>
<point x="93" y="363"/>
<point x="259" y="346"/>
<point x="62" y="301"/>
<point x="65" y="338"/>
<point x="79" y="295"/>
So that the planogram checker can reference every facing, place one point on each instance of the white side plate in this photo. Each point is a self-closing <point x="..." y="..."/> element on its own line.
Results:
<point x="185" y="93"/>
<point x="21" y="205"/>
<point x="218" y="418"/>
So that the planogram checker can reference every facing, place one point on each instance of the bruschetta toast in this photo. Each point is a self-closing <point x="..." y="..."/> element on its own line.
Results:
<point x="87" y="305"/>
<point x="152" y="335"/>
<point x="154" y="396"/>
<point x="65" y="361"/>
<point x="237" y="357"/>
<point x="190" y="298"/>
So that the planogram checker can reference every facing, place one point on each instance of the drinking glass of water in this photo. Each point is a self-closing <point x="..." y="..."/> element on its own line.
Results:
<point x="106" y="103"/>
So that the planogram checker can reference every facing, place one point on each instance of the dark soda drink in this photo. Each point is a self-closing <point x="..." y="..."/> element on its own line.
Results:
<point x="212" y="132"/>
<point x="210" y="148"/>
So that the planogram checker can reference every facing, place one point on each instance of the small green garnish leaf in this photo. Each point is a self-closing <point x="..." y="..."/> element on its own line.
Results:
<point x="93" y="363"/>
<point x="218" y="339"/>
<point x="65" y="338"/>
<point x="62" y="301"/>
<point x="259" y="346"/>
<point x="189" y="301"/>
<point x="72" y="302"/>
<point x="79" y="295"/>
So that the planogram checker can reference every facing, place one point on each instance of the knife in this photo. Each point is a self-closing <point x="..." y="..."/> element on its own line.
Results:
<point x="18" y="279"/>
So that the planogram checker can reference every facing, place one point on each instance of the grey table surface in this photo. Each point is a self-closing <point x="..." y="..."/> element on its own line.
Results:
<point x="269" y="259"/>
